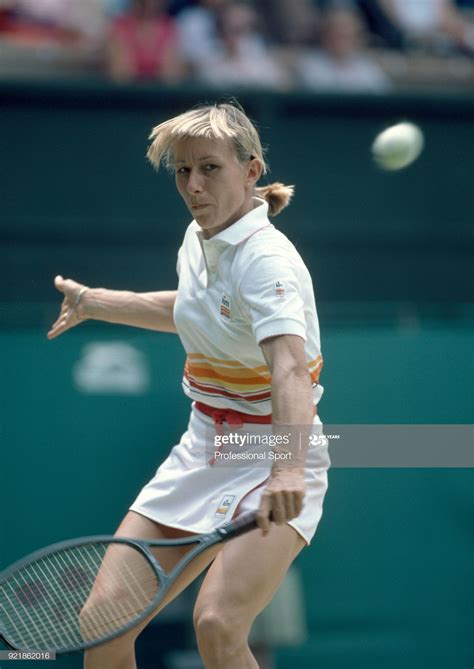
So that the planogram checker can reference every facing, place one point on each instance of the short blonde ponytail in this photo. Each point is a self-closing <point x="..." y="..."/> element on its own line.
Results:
<point x="277" y="195"/>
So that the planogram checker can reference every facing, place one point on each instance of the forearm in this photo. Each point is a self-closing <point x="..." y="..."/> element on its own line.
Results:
<point x="292" y="413"/>
<point x="152" y="311"/>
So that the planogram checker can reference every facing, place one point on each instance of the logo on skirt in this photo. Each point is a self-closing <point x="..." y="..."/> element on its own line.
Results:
<point x="224" y="505"/>
<point x="279" y="289"/>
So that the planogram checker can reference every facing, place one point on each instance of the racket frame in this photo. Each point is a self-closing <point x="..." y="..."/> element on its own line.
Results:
<point x="204" y="541"/>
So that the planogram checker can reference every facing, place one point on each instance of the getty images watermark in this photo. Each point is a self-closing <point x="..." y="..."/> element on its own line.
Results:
<point x="257" y="445"/>
<point x="348" y="446"/>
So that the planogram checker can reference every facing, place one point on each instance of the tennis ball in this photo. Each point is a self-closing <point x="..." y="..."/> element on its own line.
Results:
<point x="398" y="146"/>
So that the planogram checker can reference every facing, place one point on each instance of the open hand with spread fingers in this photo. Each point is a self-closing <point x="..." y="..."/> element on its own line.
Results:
<point x="72" y="312"/>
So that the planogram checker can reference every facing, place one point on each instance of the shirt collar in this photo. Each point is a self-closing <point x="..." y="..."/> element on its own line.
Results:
<point x="239" y="231"/>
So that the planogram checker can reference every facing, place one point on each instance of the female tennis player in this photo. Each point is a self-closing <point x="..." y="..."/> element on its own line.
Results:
<point x="245" y="312"/>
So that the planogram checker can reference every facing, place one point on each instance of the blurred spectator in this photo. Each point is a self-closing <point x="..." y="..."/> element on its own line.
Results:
<point x="197" y="32"/>
<point x="142" y="44"/>
<point x="288" y="22"/>
<point x="340" y="63"/>
<point x="56" y="20"/>
<point x="435" y="25"/>
<point x="240" y="56"/>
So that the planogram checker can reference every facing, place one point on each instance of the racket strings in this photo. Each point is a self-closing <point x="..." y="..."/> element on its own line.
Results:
<point x="32" y="625"/>
<point x="78" y="594"/>
<point x="116" y="612"/>
<point x="109" y="624"/>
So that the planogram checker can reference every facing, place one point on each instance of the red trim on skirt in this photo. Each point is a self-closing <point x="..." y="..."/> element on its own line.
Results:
<point x="231" y="416"/>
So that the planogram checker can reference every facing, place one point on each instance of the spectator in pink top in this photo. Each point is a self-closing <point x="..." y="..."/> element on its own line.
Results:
<point x="142" y="44"/>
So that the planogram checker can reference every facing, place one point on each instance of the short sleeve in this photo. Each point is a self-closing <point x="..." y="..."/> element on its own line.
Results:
<point x="271" y="295"/>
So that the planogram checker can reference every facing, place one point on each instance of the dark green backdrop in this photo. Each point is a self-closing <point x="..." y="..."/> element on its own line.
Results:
<point x="388" y="579"/>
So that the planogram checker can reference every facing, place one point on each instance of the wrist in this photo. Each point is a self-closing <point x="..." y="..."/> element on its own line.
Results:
<point x="296" y="470"/>
<point x="84" y="303"/>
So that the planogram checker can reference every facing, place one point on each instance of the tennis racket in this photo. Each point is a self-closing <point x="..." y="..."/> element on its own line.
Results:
<point x="80" y="593"/>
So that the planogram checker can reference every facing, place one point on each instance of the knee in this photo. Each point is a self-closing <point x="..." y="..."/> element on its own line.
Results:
<point x="209" y="623"/>
<point x="220" y="631"/>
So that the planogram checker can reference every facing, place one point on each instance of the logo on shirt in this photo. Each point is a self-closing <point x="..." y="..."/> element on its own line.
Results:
<point x="224" y="505"/>
<point x="225" y="306"/>
<point x="279" y="289"/>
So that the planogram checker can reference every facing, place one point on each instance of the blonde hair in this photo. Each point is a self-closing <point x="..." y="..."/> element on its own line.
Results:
<point x="219" y="121"/>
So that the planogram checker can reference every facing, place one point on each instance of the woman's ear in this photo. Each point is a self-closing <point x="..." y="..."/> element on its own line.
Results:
<point x="254" y="171"/>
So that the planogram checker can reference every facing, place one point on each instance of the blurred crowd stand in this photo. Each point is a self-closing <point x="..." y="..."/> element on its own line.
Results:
<point x="48" y="37"/>
<point x="336" y="45"/>
<point x="337" y="59"/>
<point x="432" y="26"/>
<point x="237" y="54"/>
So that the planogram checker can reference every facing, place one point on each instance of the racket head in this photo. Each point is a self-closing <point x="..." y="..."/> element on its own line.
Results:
<point x="78" y="594"/>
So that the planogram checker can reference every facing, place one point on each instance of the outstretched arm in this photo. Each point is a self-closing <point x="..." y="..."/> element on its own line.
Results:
<point x="152" y="311"/>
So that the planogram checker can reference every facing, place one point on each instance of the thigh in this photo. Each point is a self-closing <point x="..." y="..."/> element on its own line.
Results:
<point x="110" y="591"/>
<point x="135" y="525"/>
<point x="247" y="573"/>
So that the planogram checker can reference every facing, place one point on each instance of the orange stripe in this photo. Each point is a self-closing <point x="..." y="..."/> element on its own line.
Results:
<point x="315" y="373"/>
<point x="238" y="378"/>
<point x="315" y="362"/>
<point x="235" y="363"/>
<point x="217" y="387"/>
<point x="223" y="393"/>
<point x="229" y="363"/>
<point x="217" y="379"/>
<point x="232" y="375"/>
<point x="242" y="384"/>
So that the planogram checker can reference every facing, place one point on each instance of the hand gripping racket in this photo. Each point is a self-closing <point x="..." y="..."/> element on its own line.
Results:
<point x="80" y="593"/>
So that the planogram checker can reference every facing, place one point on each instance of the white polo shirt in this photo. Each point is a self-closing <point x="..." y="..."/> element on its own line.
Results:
<point x="243" y="285"/>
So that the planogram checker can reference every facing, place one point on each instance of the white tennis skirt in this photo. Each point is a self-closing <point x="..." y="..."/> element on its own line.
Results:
<point x="200" y="486"/>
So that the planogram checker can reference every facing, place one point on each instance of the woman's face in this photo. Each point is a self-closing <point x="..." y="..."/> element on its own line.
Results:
<point x="215" y="186"/>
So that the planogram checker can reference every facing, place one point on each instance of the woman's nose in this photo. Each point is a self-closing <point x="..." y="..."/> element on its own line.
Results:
<point x="194" y="182"/>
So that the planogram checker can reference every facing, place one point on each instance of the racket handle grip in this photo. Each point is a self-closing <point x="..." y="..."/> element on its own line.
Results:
<point x="243" y="524"/>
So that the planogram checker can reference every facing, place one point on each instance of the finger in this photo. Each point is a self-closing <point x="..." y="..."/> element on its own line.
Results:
<point x="58" y="282"/>
<point x="298" y="500"/>
<point x="290" y="504"/>
<point x="263" y="513"/>
<point x="63" y="314"/>
<point x="63" y="323"/>
<point x="56" y="330"/>
<point x="278" y="507"/>
<point x="55" y="325"/>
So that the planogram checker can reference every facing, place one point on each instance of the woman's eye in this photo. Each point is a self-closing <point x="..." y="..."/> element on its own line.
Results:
<point x="182" y="170"/>
<point x="209" y="167"/>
